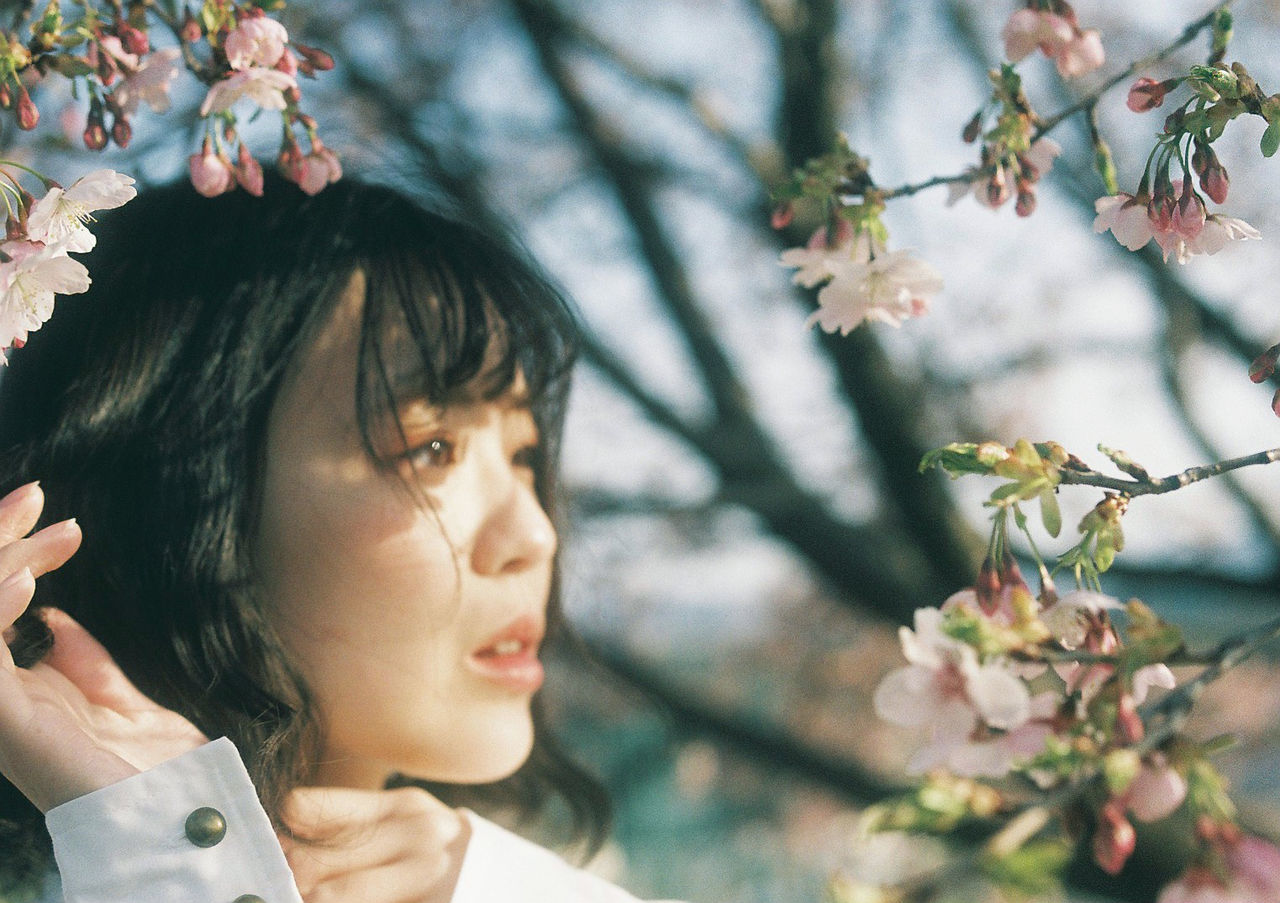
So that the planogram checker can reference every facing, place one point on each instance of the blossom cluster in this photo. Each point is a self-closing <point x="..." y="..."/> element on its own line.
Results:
<point x="1047" y="690"/>
<point x="1170" y="210"/>
<point x="35" y="261"/>
<point x="1053" y="29"/>
<point x="244" y="57"/>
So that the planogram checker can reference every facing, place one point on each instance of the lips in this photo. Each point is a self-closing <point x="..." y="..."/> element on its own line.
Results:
<point x="510" y="657"/>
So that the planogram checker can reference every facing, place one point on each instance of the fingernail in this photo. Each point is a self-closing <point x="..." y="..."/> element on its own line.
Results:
<point x="19" y="495"/>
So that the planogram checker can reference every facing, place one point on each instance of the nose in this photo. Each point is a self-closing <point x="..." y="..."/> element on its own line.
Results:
<point x="516" y="534"/>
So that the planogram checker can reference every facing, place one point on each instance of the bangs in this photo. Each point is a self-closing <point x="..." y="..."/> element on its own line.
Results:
<point x="453" y="320"/>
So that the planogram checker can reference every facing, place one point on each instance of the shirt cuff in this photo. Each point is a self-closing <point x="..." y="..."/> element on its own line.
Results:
<point x="499" y="865"/>
<point x="128" y="842"/>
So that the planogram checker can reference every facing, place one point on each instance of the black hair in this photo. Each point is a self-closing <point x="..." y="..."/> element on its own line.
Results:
<point x="142" y="407"/>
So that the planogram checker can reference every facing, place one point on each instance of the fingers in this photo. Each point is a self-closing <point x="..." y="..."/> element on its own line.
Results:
<point x="19" y="511"/>
<point x="16" y="591"/>
<point x="388" y="846"/>
<point x="83" y="661"/>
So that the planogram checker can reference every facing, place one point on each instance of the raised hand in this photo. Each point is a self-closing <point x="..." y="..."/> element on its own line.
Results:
<point x="72" y="723"/>
<point x="379" y="846"/>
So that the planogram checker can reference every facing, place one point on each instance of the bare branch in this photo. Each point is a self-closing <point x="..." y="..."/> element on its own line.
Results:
<point x="1157" y="486"/>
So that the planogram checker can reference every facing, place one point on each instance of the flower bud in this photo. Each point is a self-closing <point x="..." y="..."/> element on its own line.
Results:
<point x="1114" y="838"/>
<point x="782" y="216"/>
<point x="121" y="131"/>
<point x="1128" y="722"/>
<point x="314" y="57"/>
<point x="1146" y="94"/>
<point x="13" y="230"/>
<point x="133" y="39"/>
<point x="987" y="586"/>
<point x="211" y="174"/>
<point x="190" y="32"/>
<point x="6" y="96"/>
<point x="1026" y="203"/>
<point x="28" y="115"/>
<point x="248" y="172"/>
<point x="1264" y="365"/>
<point x="972" y="128"/>
<point x="997" y="188"/>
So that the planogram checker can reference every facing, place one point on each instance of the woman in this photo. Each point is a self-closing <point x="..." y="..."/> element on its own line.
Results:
<point x="309" y="445"/>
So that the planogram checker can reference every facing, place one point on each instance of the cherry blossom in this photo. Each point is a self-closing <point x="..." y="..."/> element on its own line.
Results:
<point x="59" y="217"/>
<point x="1127" y="217"/>
<point x="892" y="288"/>
<point x="1253" y="876"/>
<point x="1002" y="185"/>
<point x="29" y="279"/>
<point x="1074" y="51"/>
<point x="148" y="82"/>
<point x="265" y="87"/>
<point x="1156" y="792"/>
<point x="946" y="687"/>
<point x="817" y="261"/>
<point x="256" y="41"/>
<point x="211" y="172"/>
<point x="314" y="171"/>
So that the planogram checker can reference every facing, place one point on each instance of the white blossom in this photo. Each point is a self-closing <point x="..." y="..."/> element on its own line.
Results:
<point x="60" y="217"/>
<point x="29" y="279"/>
<point x="265" y="87"/>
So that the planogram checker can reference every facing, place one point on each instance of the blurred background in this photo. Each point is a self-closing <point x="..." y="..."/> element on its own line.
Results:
<point x="746" y="524"/>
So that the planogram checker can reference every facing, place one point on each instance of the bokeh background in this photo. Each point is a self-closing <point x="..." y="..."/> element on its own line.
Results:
<point x="745" y="522"/>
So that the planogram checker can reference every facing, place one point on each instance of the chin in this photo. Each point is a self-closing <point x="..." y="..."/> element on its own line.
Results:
<point x="480" y="757"/>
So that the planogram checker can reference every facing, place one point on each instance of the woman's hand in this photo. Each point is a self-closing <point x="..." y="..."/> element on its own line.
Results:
<point x="73" y="723"/>
<point x="374" y="846"/>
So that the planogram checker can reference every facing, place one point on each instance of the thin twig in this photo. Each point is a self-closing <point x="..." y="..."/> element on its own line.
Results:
<point x="1156" y="486"/>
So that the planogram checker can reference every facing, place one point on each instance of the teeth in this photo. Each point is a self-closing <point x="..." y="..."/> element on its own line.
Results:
<point x="507" y="647"/>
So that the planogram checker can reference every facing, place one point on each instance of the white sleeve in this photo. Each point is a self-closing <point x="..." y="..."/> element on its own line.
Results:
<point x="501" y="867"/>
<point x="128" y="842"/>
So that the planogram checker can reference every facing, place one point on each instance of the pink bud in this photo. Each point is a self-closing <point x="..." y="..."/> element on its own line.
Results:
<point x="987" y="586"/>
<point x="1146" y="94"/>
<point x="121" y="132"/>
<point x="972" y="129"/>
<point x="248" y="172"/>
<point x="190" y="32"/>
<point x="1128" y="722"/>
<point x="28" y="115"/>
<point x="134" y="40"/>
<point x="1114" y="839"/>
<point x="288" y="63"/>
<point x="1215" y="182"/>
<point x="1264" y="365"/>
<point x="211" y="174"/>
<point x="314" y="57"/>
<point x="95" y="136"/>
<point x="1026" y="203"/>
<point x="783" y="214"/>
<point x="1189" y="215"/>
<point x="997" y="188"/>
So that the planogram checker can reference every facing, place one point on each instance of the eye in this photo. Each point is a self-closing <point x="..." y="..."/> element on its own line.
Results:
<point x="438" y="451"/>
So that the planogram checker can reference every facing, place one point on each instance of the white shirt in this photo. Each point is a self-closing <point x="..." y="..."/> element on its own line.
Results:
<point x="127" y="843"/>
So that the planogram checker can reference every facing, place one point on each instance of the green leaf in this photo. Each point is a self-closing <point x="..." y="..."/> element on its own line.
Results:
<point x="1271" y="139"/>
<point x="1050" y="513"/>
<point x="1034" y="869"/>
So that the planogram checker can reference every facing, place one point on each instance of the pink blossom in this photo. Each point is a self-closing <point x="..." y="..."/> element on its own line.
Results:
<point x="1114" y="838"/>
<point x="993" y="192"/>
<point x="211" y="172"/>
<point x="1156" y="792"/>
<point x="29" y="280"/>
<point x="1082" y="54"/>
<point x="114" y="49"/>
<point x="1253" y="876"/>
<point x="947" y="688"/>
<point x="149" y="82"/>
<point x="314" y="171"/>
<point x="1074" y="51"/>
<point x="1028" y="29"/>
<point x="1127" y="217"/>
<point x="60" y="217"/>
<point x="816" y="262"/>
<point x="248" y="172"/>
<point x="892" y="287"/>
<point x="265" y="87"/>
<point x="256" y="41"/>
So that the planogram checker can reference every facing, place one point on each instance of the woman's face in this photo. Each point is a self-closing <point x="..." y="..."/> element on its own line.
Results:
<point x="416" y="627"/>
